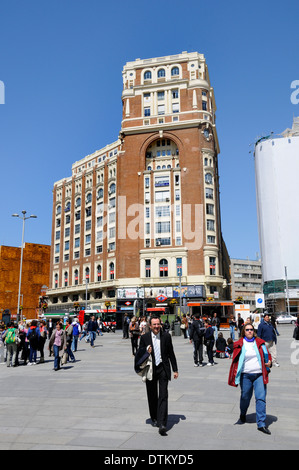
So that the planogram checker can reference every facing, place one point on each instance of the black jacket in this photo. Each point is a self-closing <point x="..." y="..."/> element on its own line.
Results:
<point x="167" y="352"/>
<point x="197" y="330"/>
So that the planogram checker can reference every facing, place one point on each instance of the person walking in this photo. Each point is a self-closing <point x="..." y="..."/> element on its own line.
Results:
<point x="267" y="332"/>
<point x="232" y="326"/>
<point x="158" y="343"/>
<point x="57" y="343"/>
<point x="215" y="322"/>
<point x="196" y="336"/>
<point x="92" y="327"/>
<point x="69" y="340"/>
<point x="76" y="333"/>
<point x="240" y="324"/>
<point x="126" y="326"/>
<point x="42" y="339"/>
<point x="250" y="368"/>
<point x="209" y="342"/>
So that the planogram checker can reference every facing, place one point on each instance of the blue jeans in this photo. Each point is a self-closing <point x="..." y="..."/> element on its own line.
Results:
<point x="215" y="332"/>
<point x="232" y="332"/>
<point x="32" y="354"/>
<point x="56" y="357"/>
<point x="75" y="343"/>
<point x="248" y="383"/>
<point x="92" y="335"/>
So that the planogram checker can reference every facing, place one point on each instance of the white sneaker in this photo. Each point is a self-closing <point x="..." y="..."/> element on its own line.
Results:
<point x="29" y="364"/>
<point x="276" y="364"/>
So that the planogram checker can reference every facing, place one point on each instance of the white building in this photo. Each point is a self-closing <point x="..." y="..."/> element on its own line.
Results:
<point x="277" y="170"/>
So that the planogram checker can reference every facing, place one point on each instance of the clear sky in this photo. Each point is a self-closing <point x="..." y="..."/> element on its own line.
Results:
<point x="61" y="64"/>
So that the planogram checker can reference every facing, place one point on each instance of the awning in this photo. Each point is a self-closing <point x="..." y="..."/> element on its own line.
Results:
<point x="210" y="304"/>
<point x="156" y="309"/>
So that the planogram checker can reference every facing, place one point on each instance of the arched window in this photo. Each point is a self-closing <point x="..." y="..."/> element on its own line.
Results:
<point x="111" y="270"/>
<point x="56" y="281"/>
<point x="66" y="279"/>
<point x="100" y="193"/>
<point x="147" y="75"/>
<point x="58" y="210"/>
<point x="163" y="268"/>
<point x="87" y="275"/>
<point x="99" y="273"/>
<point x="161" y="73"/>
<point x="89" y="198"/>
<point x="78" y="202"/>
<point x="76" y="277"/>
<point x="175" y="71"/>
<point x="209" y="178"/>
<point x="112" y="188"/>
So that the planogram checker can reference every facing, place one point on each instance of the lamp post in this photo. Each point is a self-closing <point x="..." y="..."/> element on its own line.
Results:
<point x="23" y="217"/>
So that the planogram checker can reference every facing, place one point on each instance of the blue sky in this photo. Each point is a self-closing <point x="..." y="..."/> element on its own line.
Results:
<point x="61" y="63"/>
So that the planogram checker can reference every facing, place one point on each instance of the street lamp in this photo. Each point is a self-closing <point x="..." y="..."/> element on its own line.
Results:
<point x="23" y="217"/>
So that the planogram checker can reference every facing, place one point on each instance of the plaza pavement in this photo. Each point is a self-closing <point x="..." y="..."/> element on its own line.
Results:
<point x="100" y="403"/>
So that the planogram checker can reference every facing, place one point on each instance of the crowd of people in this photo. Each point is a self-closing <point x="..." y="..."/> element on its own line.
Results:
<point x="21" y="343"/>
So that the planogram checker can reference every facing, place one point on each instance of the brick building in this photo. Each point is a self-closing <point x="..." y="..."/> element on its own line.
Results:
<point x="35" y="274"/>
<point x="143" y="213"/>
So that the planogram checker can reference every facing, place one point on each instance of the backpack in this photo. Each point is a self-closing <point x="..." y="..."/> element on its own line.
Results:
<point x="10" y="337"/>
<point x="33" y="338"/>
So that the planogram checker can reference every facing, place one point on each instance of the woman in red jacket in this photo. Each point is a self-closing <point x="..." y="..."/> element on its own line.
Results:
<point x="250" y="368"/>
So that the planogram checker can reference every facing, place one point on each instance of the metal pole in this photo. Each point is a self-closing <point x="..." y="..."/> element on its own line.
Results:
<point x="287" y="289"/>
<point x="180" y="291"/>
<point x="21" y="267"/>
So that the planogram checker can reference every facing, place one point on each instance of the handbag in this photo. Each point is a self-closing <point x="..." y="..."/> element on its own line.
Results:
<point x="183" y="326"/>
<point x="64" y="358"/>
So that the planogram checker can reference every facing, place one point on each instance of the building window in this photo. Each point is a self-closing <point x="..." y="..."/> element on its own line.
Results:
<point x="211" y="225"/>
<point x="55" y="281"/>
<point x="161" y="73"/>
<point x="212" y="261"/>
<point x="210" y="209"/>
<point x="209" y="193"/>
<point x="208" y="178"/>
<point x="204" y="106"/>
<point x="99" y="273"/>
<point x="111" y="271"/>
<point x="163" y="268"/>
<point x="147" y="75"/>
<point x="65" y="279"/>
<point x="87" y="275"/>
<point x="211" y="239"/>
<point x="147" y="268"/>
<point x="175" y="71"/>
<point x="76" y="277"/>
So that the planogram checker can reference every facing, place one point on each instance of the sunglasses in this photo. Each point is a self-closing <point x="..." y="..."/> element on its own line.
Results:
<point x="249" y="329"/>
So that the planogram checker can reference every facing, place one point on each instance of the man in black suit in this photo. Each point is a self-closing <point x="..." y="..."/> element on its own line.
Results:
<point x="159" y="344"/>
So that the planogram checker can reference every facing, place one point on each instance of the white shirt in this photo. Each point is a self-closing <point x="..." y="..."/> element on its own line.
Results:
<point x="251" y="363"/>
<point x="157" y="348"/>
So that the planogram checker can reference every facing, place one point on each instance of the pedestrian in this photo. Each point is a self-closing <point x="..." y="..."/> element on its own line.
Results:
<point x="215" y="322"/>
<point x="126" y="326"/>
<point x="76" y="333"/>
<point x="57" y="343"/>
<point x="11" y="338"/>
<point x="229" y="347"/>
<point x="134" y="334"/>
<point x="2" y="344"/>
<point x="159" y="344"/>
<point x="184" y="326"/>
<point x="84" y="332"/>
<point x="240" y="324"/>
<point x="143" y="325"/>
<point x="69" y="340"/>
<point x="42" y="340"/>
<point x="250" y="368"/>
<point x="92" y="327"/>
<point x="209" y="342"/>
<point x="33" y="338"/>
<point x="232" y="326"/>
<point x="267" y="332"/>
<point x="196" y="336"/>
<point x="220" y="346"/>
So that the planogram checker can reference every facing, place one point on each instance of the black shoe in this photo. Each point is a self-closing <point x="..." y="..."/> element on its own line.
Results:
<point x="154" y="423"/>
<point x="264" y="429"/>
<point x="243" y="418"/>
<point x="162" y="431"/>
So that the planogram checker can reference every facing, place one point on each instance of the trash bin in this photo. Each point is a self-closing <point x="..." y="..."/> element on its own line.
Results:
<point x="177" y="329"/>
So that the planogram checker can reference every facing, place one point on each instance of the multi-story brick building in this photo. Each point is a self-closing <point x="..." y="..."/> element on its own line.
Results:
<point x="35" y="275"/>
<point x="142" y="211"/>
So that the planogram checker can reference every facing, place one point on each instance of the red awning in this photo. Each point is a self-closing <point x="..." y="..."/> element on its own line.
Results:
<point x="156" y="309"/>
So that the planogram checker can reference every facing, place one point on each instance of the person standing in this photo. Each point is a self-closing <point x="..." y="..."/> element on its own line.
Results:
<point x="267" y="332"/>
<point x="11" y="339"/>
<point x="42" y="339"/>
<point x="197" y="331"/>
<point x="76" y="333"/>
<point x="240" y="324"/>
<point x="69" y="340"/>
<point x="159" y="344"/>
<point x="209" y="342"/>
<point x="232" y="326"/>
<point x="134" y="334"/>
<point x="250" y="368"/>
<point x="126" y="326"/>
<point x="33" y="336"/>
<point x="215" y="322"/>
